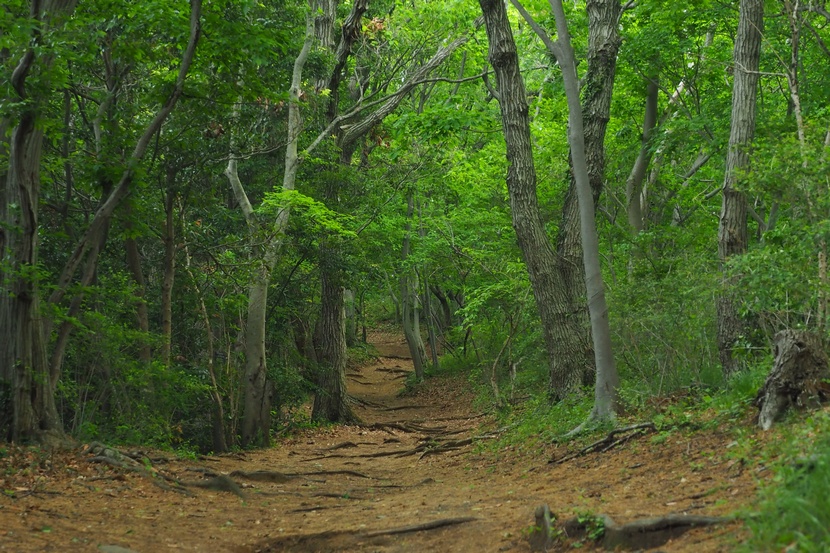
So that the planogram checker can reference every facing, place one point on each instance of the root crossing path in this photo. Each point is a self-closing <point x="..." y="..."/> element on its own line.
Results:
<point x="411" y="478"/>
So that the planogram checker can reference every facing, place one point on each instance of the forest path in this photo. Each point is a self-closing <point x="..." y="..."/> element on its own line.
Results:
<point x="343" y="488"/>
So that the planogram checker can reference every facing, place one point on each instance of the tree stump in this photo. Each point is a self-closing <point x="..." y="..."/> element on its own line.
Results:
<point x="797" y="377"/>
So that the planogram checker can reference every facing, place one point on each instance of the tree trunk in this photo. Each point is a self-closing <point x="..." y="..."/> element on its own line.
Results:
<point x="564" y="334"/>
<point x="23" y="358"/>
<point x="142" y="315"/>
<point x="409" y="298"/>
<point x="256" y="422"/>
<point x="168" y="271"/>
<point x="331" y="402"/>
<point x="351" y="318"/>
<point x="732" y="230"/>
<point x="603" y="45"/>
<point x="607" y="380"/>
<point x="566" y="321"/>
<point x="634" y="184"/>
<point x="258" y="391"/>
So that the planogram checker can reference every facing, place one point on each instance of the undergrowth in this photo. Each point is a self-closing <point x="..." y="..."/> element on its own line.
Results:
<point x="793" y="514"/>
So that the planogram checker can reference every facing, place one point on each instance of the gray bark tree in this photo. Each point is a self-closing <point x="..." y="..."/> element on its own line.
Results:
<point x="732" y="229"/>
<point x="258" y="391"/>
<point x="557" y="278"/>
<point x="607" y="380"/>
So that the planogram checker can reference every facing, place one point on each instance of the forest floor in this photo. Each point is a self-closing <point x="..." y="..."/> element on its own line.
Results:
<point x="416" y="460"/>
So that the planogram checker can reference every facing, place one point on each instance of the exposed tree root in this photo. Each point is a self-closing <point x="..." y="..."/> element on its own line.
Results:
<point x="641" y="534"/>
<point x="616" y="437"/>
<point x="395" y="370"/>
<point x="419" y="527"/>
<point x="273" y="477"/>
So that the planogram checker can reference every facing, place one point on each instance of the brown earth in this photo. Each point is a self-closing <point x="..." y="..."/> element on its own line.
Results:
<point x="416" y="460"/>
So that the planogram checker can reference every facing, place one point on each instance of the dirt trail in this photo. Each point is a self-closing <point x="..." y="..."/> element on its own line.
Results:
<point x="413" y="461"/>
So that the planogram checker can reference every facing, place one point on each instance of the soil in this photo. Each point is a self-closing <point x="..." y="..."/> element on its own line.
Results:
<point x="416" y="460"/>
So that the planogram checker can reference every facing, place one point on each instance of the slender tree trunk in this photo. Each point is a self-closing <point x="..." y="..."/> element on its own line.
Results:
<point x="607" y="380"/>
<point x="732" y="230"/>
<point x="258" y="391"/>
<point x="168" y="270"/>
<point x="142" y="315"/>
<point x="409" y="297"/>
<point x="351" y="318"/>
<point x="220" y="444"/>
<point x="634" y="184"/>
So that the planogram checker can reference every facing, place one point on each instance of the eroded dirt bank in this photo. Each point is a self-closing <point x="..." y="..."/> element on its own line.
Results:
<point x="413" y="462"/>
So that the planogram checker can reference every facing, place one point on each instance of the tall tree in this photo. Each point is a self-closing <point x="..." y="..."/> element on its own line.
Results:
<point x="331" y="402"/>
<point x="23" y="360"/>
<point x="258" y="390"/>
<point x="732" y="230"/>
<point x="606" y="379"/>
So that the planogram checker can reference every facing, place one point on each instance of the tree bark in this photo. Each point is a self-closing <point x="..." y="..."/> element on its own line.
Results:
<point x="142" y="316"/>
<point x="607" y="379"/>
<point x="565" y="317"/>
<point x="634" y="184"/>
<point x="168" y="270"/>
<point x="409" y="297"/>
<point x="23" y="359"/>
<point x="258" y="391"/>
<point x="331" y="402"/>
<point x="564" y="335"/>
<point x="732" y="229"/>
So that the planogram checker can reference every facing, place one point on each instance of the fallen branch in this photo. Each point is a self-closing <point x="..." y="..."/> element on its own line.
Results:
<point x="419" y="527"/>
<point x="610" y="441"/>
<point x="264" y="476"/>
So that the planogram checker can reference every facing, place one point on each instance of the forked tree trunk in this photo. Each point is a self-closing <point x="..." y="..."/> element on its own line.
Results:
<point x="732" y="230"/>
<point x="564" y="334"/>
<point x="258" y="390"/>
<point x="559" y="288"/>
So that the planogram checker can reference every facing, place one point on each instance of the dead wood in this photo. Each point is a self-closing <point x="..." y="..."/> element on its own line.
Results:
<point x="610" y="441"/>
<point x="402" y="407"/>
<point x="325" y="472"/>
<point x="641" y="534"/>
<point x="343" y="445"/>
<point x="419" y="527"/>
<point x="541" y="536"/>
<point x="219" y="483"/>
<point x="393" y="370"/>
<point x="271" y="476"/>
<point x="798" y="376"/>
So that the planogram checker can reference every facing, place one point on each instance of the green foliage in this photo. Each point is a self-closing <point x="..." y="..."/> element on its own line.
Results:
<point x="794" y="511"/>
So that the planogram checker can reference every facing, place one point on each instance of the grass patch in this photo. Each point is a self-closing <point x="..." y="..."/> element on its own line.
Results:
<point x="794" y="509"/>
